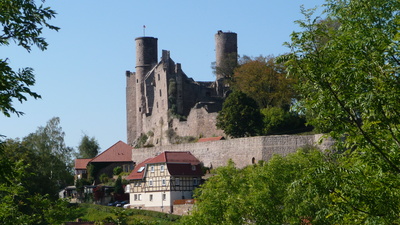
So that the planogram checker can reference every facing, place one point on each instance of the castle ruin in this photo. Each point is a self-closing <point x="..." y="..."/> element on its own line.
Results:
<point x="162" y="102"/>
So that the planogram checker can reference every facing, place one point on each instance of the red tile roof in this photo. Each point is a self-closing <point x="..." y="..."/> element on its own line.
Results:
<point x="178" y="163"/>
<point x="184" y="169"/>
<point x="80" y="164"/>
<point x="119" y="152"/>
<point x="211" y="139"/>
<point x="175" y="157"/>
<point x="135" y="174"/>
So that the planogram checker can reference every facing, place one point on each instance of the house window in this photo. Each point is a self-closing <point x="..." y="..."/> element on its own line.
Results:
<point x="158" y="76"/>
<point x="135" y="197"/>
<point x="151" y="198"/>
<point x="162" y="168"/>
<point x="160" y="92"/>
<point x="195" y="181"/>
<point x="152" y="168"/>
<point x="193" y="167"/>
<point x="164" y="197"/>
<point x="139" y="197"/>
<point x="150" y="182"/>
<point x="164" y="182"/>
<point x="177" y="182"/>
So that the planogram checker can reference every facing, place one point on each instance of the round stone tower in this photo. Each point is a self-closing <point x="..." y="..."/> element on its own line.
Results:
<point x="226" y="50"/>
<point x="146" y="58"/>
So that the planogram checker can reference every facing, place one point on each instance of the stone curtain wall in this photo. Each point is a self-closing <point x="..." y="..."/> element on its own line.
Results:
<point x="240" y="150"/>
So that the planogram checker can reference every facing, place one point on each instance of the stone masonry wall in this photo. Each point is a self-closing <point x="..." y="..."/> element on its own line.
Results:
<point x="240" y="150"/>
<point x="199" y="122"/>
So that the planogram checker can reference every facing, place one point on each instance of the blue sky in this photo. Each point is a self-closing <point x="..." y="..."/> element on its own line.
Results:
<point x="81" y="77"/>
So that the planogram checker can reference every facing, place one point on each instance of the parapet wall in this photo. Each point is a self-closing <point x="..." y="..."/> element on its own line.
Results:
<point x="243" y="151"/>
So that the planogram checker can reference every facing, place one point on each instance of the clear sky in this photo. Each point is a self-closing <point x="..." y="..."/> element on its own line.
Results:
<point x="81" y="77"/>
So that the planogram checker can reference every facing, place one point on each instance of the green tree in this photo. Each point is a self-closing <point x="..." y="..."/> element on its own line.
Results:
<point x="264" y="80"/>
<point x="22" y="22"/>
<point x="279" y="121"/>
<point x="255" y="194"/>
<point x="88" y="147"/>
<point x="117" y="170"/>
<point x="240" y="116"/>
<point x="53" y="159"/>
<point x="350" y="85"/>
<point x="18" y="205"/>
<point x="118" y="189"/>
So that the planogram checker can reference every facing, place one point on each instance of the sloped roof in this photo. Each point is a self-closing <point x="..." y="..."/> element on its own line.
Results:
<point x="175" y="157"/>
<point x="119" y="152"/>
<point x="80" y="164"/>
<point x="211" y="139"/>
<point x="184" y="169"/>
<point x="178" y="163"/>
<point x="136" y="173"/>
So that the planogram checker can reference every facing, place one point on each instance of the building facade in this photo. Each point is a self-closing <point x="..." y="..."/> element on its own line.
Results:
<point x="157" y="182"/>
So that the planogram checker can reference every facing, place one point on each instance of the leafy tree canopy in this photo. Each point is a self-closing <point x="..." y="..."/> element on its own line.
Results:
<point x="22" y="21"/>
<point x="88" y="147"/>
<point x="240" y="116"/>
<point x="265" y="81"/>
<point x="255" y="194"/>
<point x="349" y="83"/>
<point x="49" y="159"/>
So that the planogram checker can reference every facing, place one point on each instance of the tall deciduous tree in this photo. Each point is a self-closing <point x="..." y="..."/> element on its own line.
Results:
<point x="22" y="21"/>
<point x="350" y="85"/>
<point x="88" y="147"/>
<point x="240" y="116"/>
<point x="265" y="81"/>
<point x="53" y="165"/>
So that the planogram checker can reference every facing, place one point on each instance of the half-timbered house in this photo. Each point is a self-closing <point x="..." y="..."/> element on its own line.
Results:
<point x="156" y="182"/>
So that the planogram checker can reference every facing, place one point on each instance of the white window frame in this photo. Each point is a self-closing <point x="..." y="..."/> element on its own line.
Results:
<point x="151" y="182"/>
<point x="152" y="169"/>
<point x="162" y="168"/>
<point x="164" y="182"/>
<point x="135" y="197"/>
<point x="140" y="197"/>
<point x="177" y="182"/>
<point x="195" y="183"/>
<point x="164" y="196"/>
<point x="151" y="197"/>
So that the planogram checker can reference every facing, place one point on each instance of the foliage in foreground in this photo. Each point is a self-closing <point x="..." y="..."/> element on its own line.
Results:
<point x="307" y="186"/>
<point x="21" y="21"/>
<point x="19" y="206"/>
<point x="48" y="157"/>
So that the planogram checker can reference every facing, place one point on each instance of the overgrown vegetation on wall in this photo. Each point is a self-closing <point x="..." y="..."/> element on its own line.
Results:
<point x="176" y="139"/>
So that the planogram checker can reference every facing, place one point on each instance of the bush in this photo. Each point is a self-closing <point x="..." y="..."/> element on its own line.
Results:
<point x="104" y="178"/>
<point x="117" y="170"/>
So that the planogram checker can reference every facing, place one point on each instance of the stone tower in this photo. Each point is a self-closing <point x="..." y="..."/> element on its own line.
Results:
<point x="225" y="48"/>
<point x="165" y="105"/>
<point x="226" y="53"/>
<point x="146" y="58"/>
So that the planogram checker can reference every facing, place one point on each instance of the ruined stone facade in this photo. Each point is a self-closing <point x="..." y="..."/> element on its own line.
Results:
<point x="163" y="102"/>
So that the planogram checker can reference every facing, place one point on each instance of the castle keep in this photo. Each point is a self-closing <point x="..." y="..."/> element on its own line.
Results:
<point x="163" y="102"/>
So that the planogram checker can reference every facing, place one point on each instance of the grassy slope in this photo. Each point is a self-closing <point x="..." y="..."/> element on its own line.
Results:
<point x="98" y="213"/>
